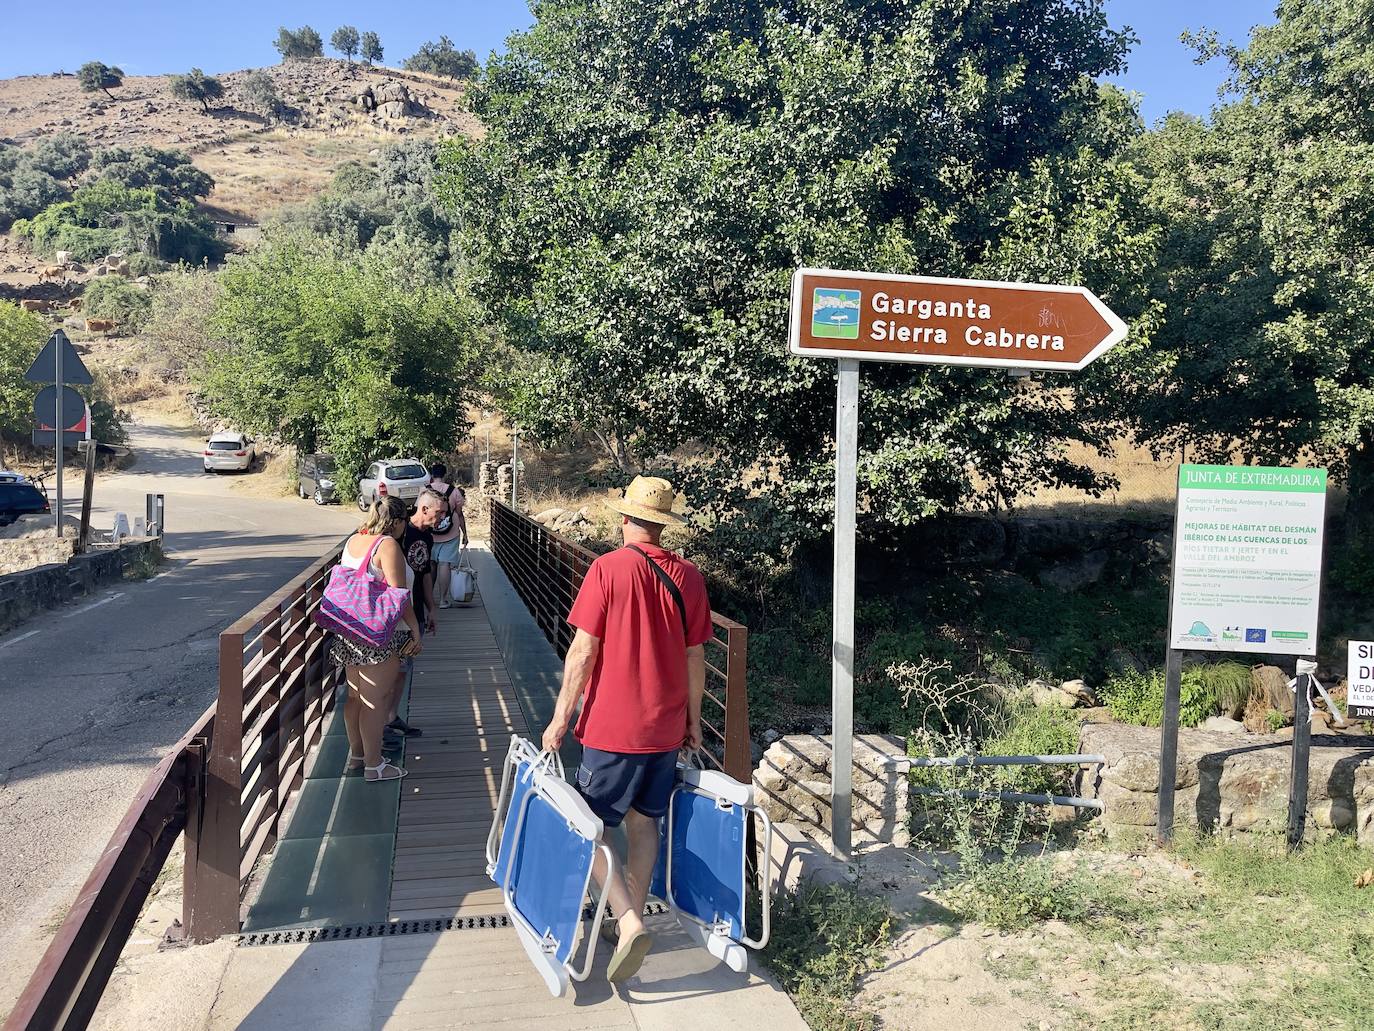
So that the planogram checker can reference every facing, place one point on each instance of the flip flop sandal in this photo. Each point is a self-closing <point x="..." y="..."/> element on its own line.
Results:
<point x="629" y="955"/>
<point x="402" y="727"/>
<point x="610" y="929"/>
<point x="355" y="762"/>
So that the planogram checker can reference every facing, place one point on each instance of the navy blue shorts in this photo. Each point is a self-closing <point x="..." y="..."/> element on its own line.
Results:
<point x="614" y="782"/>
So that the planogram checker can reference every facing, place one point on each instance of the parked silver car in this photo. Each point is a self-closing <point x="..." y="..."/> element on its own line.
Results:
<point x="229" y="452"/>
<point x="402" y="478"/>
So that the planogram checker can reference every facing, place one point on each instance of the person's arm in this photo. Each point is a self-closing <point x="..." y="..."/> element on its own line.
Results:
<point x="460" y="520"/>
<point x="427" y="585"/>
<point x="577" y="670"/>
<point x="393" y="565"/>
<point x="696" y="687"/>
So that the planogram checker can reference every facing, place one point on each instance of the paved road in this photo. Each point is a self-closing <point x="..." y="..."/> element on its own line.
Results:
<point x="94" y="694"/>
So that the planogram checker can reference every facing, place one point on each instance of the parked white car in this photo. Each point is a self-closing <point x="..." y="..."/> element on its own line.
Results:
<point x="402" y="478"/>
<point x="229" y="452"/>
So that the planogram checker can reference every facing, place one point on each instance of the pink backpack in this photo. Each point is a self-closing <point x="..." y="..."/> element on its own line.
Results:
<point x="360" y="607"/>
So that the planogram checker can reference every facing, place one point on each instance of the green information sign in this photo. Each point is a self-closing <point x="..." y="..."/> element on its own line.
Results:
<point x="1247" y="559"/>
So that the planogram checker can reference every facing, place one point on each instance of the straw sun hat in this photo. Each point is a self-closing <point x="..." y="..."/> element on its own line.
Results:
<point x="647" y="497"/>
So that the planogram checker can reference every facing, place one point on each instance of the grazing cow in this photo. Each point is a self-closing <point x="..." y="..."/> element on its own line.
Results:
<point x="35" y="306"/>
<point x="52" y="272"/>
<point x="122" y="269"/>
<point x="75" y="303"/>
<point x="64" y="258"/>
<point x="100" y="325"/>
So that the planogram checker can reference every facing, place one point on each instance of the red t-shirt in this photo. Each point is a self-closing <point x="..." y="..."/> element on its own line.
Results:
<point x="637" y="696"/>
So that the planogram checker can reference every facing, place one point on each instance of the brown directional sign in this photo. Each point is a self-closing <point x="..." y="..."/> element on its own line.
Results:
<point x="884" y="318"/>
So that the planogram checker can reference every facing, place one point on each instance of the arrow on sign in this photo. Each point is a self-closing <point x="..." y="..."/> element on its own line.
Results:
<point x="875" y="317"/>
<point x="44" y="367"/>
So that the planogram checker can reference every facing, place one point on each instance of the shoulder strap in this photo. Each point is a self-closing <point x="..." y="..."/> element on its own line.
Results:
<point x="366" y="567"/>
<point x="668" y="583"/>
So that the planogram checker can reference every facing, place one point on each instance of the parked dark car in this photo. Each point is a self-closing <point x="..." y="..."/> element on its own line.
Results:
<point x="317" y="478"/>
<point x="20" y="499"/>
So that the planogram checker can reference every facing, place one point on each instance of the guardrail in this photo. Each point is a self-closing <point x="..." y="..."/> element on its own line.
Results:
<point x="547" y="570"/>
<point x="65" y="989"/>
<point x="936" y="761"/>
<point x="275" y="690"/>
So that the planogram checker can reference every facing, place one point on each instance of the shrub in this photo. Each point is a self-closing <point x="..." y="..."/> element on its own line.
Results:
<point x="114" y="297"/>
<point x="825" y="938"/>
<point x="302" y="44"/>
<point x="443" y="58"/>
<point x="26" y="193"/>
<point x="196" y="85"/>
<point x="178" y="328"/>
<point x="345" y="41"/>
<point x="259" y="92"/>
<point x="96" y="76"/>
<point x="64" y="156"/>
<point x="169" y="172"/>
<point x="372" y="47"/>
<point x="1139" y="697"/>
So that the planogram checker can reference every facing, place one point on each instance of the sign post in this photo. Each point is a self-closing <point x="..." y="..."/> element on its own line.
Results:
<point x="58" y="364"/>
<point x="1246" y="577"/>
<point x="868" y="316"/>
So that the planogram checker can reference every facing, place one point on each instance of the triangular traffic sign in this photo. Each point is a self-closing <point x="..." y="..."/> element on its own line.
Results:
<point x="44" y="367"/>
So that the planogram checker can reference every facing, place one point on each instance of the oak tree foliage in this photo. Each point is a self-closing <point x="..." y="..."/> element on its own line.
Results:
<point x="652" y="175"/>
<point x="93" y="75"/>
<point x="195" y="85"/>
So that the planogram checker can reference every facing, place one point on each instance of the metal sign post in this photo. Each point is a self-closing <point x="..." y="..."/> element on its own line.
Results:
<point x="869" y="316"/>
<point x="58" y="364"/>
<point x="842" y="646"/>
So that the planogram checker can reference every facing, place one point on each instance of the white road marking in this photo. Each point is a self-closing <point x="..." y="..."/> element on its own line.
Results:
<point x="21" y="637"/>
<point x="94" y="605"/>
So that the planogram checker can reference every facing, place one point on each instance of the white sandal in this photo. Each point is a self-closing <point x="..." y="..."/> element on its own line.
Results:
<point x="355" y="762"/>
<point x="383" y="771"/>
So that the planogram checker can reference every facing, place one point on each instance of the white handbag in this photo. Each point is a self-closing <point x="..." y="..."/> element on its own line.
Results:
<point x="464" y="582"/>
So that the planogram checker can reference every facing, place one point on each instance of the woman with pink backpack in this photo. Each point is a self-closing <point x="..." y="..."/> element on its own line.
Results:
<point x="367" y="605"/>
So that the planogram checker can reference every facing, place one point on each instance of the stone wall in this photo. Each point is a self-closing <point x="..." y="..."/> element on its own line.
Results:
<point x="792" y="784"/>
<point x="1230" y="783"/>
<point x="27" y="593"/>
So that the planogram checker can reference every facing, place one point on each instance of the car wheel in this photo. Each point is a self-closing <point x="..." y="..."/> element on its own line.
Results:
<point x="362" y="503"/>
<point x="319" y="497"/>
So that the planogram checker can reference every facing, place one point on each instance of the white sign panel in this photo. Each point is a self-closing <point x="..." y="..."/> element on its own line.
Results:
<point x="1247" y="559"/>
<point x="1359" y="680"/>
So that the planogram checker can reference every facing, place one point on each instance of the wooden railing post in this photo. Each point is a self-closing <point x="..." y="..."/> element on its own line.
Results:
<point x="214" y="908"/>
<point x="739" y="762"/>
<point x="270" y="759"/>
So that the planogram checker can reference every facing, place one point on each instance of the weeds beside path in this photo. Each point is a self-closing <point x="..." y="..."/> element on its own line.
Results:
<point x="1211" y="935"/>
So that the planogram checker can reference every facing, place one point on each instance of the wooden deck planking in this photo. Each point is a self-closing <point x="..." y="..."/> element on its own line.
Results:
<point x="462" y="698"/>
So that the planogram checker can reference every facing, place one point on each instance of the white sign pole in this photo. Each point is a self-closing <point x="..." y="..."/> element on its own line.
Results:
<point x="842" y="644"/>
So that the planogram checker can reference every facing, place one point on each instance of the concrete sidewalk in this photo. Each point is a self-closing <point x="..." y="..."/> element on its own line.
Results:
<point x="475" y="977"/>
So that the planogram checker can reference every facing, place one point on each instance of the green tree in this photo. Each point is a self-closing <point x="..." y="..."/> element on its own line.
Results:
<point x="1263" y="292"/>
<point x="323" y="349"/>
<point x="196" y="85"/>
<point x="372" y="47"/>
<point x="652" y="175"/>
<point x="259" y="92"/>
<point x="63" y="156"/>
<point x="21" y="335"/>
<point x="443" y="58"/>
<point x="300" y="45"/>
<point x="345" y="41"/>
<point x="169" y="172"/>
<point x="96" y="76"/>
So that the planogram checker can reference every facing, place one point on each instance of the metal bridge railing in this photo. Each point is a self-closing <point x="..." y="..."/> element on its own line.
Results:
<point x="275" y="691"/>
<point x="547" y="570"/>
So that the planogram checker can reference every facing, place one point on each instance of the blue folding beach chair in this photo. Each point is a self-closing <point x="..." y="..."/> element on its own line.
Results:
<point x="540" y="850"/>
<point x="701" y="873"/>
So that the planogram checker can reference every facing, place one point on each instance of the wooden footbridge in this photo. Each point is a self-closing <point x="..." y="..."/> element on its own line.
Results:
<point x="281" y="844"/>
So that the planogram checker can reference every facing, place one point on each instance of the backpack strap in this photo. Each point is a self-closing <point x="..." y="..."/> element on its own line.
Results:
<point x="668" y="583"/>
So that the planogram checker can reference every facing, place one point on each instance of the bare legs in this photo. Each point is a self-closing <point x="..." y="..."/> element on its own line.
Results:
<point x="629" y="892"/>
<point x="441" y="582"/>
<point x="371" y="690"/>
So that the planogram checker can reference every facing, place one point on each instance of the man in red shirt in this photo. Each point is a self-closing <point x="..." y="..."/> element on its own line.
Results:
<point x="642" y="619"/>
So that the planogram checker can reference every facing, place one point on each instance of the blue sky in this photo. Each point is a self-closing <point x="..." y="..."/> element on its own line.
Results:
<point x="148" y="37"/>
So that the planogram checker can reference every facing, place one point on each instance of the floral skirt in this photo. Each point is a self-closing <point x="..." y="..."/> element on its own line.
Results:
<point x="345" y="652"/>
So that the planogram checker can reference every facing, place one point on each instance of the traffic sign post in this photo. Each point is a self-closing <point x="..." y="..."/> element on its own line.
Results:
<point x="58" y="364"/>
<point x="868" y="316"/>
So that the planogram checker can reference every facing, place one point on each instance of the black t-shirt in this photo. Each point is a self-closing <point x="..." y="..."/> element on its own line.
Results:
<point x="417" y="545"/>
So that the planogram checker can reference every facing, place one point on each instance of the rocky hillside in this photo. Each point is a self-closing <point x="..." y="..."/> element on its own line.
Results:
<point x="338" y="111"/>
